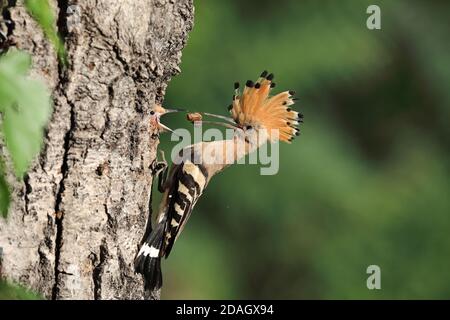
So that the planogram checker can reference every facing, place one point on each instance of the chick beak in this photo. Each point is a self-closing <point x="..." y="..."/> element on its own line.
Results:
<point x="164" y="128"/>
<point x="173" y="110"/>
<point x="166" y="111"/>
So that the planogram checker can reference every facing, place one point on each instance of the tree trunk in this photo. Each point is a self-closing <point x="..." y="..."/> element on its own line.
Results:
<point x="76" y="220"/>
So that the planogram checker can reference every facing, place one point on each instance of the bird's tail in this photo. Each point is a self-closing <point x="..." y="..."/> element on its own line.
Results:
<point x="148" y="259"/>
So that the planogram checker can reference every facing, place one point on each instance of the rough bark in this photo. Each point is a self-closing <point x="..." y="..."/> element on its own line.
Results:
<point x="77" y="218"/>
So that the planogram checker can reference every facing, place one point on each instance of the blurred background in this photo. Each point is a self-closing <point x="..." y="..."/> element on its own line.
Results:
<point x="366" y="183"/>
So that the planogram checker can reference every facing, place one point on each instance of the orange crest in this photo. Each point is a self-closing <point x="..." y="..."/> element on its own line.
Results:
<point x="255" y="107"/>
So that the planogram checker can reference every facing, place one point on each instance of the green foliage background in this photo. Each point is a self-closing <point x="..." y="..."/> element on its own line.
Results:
<point x="366" y="183"/>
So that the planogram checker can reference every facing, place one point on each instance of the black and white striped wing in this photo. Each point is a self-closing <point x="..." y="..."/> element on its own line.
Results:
<point x="189" y="182"/>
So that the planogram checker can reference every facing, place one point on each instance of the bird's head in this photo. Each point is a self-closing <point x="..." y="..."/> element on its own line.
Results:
<point x="159" y="111"/>
<point x="258" y="117"/>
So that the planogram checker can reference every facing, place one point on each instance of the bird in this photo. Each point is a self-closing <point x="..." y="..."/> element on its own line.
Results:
<point x="256" y="118"/>
<point x="155" y="117"/>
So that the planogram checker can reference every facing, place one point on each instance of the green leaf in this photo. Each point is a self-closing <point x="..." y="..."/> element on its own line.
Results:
<point x="12" y="64"/>
<point x="23" y="123"/>
<point x="25" y="105"/>
<point x="41" y="11"/>
<point x="12" y="291"/>
<point x="15" y="62"/>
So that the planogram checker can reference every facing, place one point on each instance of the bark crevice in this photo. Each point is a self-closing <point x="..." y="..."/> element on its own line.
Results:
<point x="28" y="190"/>
<point x="61" y="22"/>
<point x="7" y="20"/>
<point x="98" y="270"/>
<point x="59" y="213"/>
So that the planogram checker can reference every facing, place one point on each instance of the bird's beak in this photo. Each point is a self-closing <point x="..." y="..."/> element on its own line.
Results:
<point x="173" y="110"/>
<point x="166" y="128"/>
<point x="227" y="119"/>
<point x="163" y="111"/>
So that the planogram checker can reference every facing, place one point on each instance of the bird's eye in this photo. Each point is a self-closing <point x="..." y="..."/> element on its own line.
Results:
<point x="152" y="112"/>
<point x="248" y="127"/>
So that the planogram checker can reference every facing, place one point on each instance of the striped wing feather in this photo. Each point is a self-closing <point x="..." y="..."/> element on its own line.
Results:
<point x="189" y="182"/>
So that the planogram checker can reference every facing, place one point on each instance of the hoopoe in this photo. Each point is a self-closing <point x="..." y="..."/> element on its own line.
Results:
<point x="155" y="117"/>
<point x="256" y="119"/>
